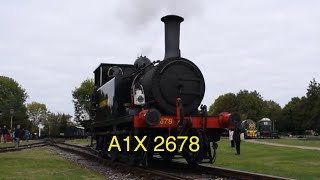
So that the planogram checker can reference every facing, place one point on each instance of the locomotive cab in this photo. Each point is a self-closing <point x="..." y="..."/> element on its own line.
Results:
<point x="110" y="86"/>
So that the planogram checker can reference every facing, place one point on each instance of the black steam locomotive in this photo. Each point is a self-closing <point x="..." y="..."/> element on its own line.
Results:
<point x="147" y="103"/>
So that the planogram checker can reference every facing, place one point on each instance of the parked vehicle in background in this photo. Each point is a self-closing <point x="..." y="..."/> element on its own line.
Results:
<point x="249" y="128"/>
<point x="264" y="127"/>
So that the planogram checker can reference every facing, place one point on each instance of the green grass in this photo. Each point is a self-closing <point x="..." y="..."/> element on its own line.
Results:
<point x="85" y="141"/>
<point x="11" y="144"/>
<point x="266" y="159"/>
<point x="295" y="142"/>
<point x="40" y="163"/>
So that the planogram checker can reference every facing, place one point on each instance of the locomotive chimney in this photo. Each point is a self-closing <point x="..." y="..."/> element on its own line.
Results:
<point x="172" y="35"/>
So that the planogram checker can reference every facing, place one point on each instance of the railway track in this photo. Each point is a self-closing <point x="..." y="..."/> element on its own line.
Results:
<point x="21" y="147"/>
<point x="176" y="169"/>
<point x="224" y="172"/>
<point x="123" y="167"/>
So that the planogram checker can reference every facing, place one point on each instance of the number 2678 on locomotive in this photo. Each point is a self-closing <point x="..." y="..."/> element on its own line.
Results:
<point x="170" y="143"/>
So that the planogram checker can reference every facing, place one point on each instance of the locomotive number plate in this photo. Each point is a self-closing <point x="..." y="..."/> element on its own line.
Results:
<point x="166" y="121"/>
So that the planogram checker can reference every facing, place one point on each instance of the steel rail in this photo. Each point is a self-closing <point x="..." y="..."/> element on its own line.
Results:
<point x="138" y="171"/>
<point x="155" y="173"/>
<point x="22" y="147"/>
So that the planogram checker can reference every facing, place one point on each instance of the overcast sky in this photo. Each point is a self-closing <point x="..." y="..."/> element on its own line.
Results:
<point x="50" y="47"/>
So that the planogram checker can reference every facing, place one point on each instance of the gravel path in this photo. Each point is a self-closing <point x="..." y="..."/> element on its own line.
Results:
<point x="283" y="145"/>
<point x="93" y="165"/>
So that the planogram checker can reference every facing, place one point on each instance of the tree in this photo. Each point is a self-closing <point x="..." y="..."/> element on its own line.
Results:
<point x="313" y="90"/>
<point x="12" y="96"/>
<point x="250" y="104"/>
<point x="56" y="123"/>
<point x="303" y="113"/>
<point x="312" y="105"/>
<point x="291" y="115"/>
<point x="82" y="99"/>
<point x="272" y="110"/>
<point x="298" y="115"/>
<point x="37" y="112"/>
<point x="227" y="102"/>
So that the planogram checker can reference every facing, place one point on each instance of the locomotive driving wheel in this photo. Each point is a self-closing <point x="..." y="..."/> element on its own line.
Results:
<point x="167" y="156"/>
<point x="113" y="154"/>
<point x="132" y="159"/>
<point x="101" y="146"/>
<point x="194" y="158"/>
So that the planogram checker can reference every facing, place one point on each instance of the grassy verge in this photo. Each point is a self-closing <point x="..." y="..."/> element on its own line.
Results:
<point x="85" y="141"/>
<point x="279" y="161"/>
<point x="295" y="142"/>
<point x="11" y="144"/>
<point x="40" y="163"/>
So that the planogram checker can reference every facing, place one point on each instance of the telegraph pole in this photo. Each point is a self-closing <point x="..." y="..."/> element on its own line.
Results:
<point x="11" y="112"/>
